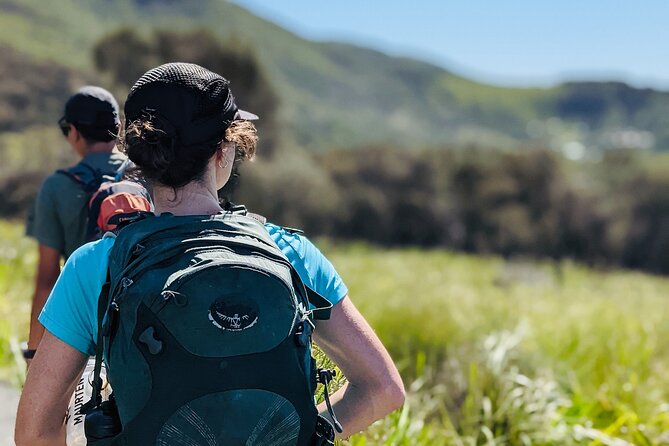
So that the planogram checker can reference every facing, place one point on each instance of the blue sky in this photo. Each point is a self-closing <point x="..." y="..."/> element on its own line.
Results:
<point x="511" y="42"/>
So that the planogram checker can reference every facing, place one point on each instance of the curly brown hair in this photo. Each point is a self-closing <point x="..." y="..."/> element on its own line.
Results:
<point x="155" y="149"/>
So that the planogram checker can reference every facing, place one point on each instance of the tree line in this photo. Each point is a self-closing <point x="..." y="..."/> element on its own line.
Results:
<point x="614" y="211"/>
<point x="533" y="203"/>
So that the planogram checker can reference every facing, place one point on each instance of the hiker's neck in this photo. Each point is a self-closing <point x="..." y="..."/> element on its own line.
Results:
<point x="100" y="147"/>
<point x="195" y="198"/>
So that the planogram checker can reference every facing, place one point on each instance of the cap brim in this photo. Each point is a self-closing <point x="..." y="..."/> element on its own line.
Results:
<point x="243" y="115"/>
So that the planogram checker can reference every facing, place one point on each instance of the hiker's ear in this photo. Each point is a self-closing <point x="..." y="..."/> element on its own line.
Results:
<point x="75" y="135"/>
<point x="77" y="141"/>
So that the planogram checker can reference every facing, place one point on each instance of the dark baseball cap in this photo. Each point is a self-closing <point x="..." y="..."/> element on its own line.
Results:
<point x="92" y="107"/>
<point x="191" y="103"/>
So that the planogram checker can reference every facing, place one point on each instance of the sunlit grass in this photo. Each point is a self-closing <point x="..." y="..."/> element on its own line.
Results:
<point x="17" y="267"/>
<point x="492" y="352"/>
<point x="518" y="352"/>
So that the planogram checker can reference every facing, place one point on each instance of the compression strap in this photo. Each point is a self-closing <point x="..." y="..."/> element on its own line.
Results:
<point x="96" y="394"/>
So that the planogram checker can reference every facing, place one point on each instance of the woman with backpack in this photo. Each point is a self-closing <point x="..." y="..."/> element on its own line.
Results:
<point x="204" y="316"/>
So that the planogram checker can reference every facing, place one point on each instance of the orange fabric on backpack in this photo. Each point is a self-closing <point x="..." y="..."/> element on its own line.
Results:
<point x="120" y="203"/>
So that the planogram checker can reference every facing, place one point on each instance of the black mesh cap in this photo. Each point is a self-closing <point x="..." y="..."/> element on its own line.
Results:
<point x="192" y="102"/>
<point x="92" y="106"/>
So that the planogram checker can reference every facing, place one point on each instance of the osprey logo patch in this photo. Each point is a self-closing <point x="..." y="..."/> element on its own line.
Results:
<point x="228" y="315"/>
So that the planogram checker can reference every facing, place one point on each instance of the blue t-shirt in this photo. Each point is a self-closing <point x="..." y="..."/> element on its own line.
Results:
<point x="70" y="313"/>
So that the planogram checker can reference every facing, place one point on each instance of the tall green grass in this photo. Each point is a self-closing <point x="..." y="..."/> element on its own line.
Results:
<point x="18" y="256"/>
<point x="516" y="353"/>
<point x="492" y="352"/>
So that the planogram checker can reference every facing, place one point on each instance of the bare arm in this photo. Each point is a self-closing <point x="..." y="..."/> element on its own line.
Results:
<point x="374" y="386"/>
<point x="51" y="379"/>
<point x="48" y="268"/>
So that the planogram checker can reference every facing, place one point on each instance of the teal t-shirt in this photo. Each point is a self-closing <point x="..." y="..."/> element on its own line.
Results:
<point x="70" y="313"/>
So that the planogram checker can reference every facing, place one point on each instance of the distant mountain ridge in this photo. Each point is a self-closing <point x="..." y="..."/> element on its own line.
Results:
<point x="340" y="95"/>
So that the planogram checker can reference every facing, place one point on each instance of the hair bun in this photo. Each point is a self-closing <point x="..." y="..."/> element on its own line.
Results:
<point x="150" y="147"/>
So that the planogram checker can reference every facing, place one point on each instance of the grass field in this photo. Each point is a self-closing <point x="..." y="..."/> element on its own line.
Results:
<point x="492" y="352"/>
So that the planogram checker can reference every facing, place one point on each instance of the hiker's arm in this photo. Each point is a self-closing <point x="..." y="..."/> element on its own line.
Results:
<point x="51" y="379"/>
<point x="374" y="386"/>
<point x="48" y="268"/>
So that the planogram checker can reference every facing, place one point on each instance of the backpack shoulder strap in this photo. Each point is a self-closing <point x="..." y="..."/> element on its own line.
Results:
<point x="240" y="209"/>
<point x="84" y="174"/>
<point x="96" y="394"/>
<point x="322" y="306"/>
<point x="120" y="172"/>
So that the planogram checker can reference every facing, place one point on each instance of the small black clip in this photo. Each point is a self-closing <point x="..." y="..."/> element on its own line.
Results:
<point x="137" y="250"/>
<point x="303" y="332"/>
<point x="292" y="230"/>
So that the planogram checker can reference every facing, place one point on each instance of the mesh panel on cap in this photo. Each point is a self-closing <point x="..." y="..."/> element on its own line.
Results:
<point x="185" y="74"/>
<point x="213" y="89"/>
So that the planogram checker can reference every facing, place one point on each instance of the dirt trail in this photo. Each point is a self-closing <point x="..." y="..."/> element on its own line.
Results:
<point x="9" y="399"/>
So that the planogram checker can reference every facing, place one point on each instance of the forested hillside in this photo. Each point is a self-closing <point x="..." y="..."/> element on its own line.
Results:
<point x="361" y="145"/>
<point x="332" y="95"/>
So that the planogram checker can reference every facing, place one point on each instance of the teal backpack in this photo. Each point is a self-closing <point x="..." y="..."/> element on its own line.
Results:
<point x="206" y="328"/>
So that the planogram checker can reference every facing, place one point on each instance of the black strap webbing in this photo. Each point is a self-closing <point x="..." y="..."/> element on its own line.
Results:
<point x="118" y="176"/>
<point x="323" y="307"/>
<point x="96" y="395"/>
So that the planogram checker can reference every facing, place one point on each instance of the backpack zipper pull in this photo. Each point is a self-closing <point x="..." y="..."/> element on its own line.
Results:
<point x="138" y="249"/>
<point x="179" y="299"/>
<point x="114" y="308"/>
<point x="125" y="283"/>
<point x="324" y="376"/>
<point x="110" y="317"/>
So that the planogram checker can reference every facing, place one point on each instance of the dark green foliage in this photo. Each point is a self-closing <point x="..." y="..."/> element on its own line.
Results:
<point x="615" y="212"/>
<point x="647" y="245"/>
<point x="637" y="205"/>
<point x="292" y="190"/>
<point x="336" y="95"/>
<point x="32" y="92"/>
<point x="594" y="102"/>
<point x="18" y="192"/>
<point x="388" y="196"/>
<point x="124" y="55"/>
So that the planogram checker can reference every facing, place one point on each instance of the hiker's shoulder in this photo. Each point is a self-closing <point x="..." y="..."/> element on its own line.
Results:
<point x="92" y="253"/>
<point x="57" y="179"/>
<point x="288" y="238"/>
<point x="56" y="187"/>
<point x="99" y="160"/>
<point x="315" y="270"/>
<point x="297" y="247"/>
